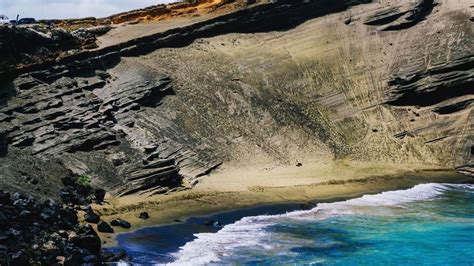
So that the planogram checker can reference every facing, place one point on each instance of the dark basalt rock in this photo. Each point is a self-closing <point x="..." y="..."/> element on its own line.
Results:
<point x="121" y="223"/>
<point x="76" y="193"/>
<point x="5" y="198"/>
<point x="99" y="195"/>
<point x="88" y="239"/>
<point x="91" y="217"/>
<point x="3" y="143"/>
<point x="144" y="215"/>
<point x="114" y="256"/>
<point x="35" y="233"/>
<point x="213" y="223"/>
<point x="104" y="227"/>
<point x="51" y="210"/>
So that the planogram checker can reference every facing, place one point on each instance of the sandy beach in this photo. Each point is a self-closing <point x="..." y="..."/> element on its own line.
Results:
<point x="232" y="188"/>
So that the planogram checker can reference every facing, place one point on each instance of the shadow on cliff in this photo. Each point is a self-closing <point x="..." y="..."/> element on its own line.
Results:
<point x="434" y="85"/>
<point x="279" y="16"/>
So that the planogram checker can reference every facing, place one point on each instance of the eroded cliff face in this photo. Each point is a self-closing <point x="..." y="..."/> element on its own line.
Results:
<point x="306" y="81"/>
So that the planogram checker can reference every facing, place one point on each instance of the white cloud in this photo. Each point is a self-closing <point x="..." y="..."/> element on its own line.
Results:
<point x="51" y="9"/>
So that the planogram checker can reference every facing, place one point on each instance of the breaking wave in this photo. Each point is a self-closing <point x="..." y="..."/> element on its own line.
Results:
<point x="250" y="233"/>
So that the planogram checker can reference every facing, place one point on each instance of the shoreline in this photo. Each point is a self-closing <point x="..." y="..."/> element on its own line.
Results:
<point x="206" y="200"/>
<point x="171" y="243"/>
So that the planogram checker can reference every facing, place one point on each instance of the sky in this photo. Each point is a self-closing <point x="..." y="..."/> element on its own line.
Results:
<point x="56" y="9"/>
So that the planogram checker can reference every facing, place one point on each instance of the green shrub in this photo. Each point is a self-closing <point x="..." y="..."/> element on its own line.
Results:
<point x="84" y="180"/>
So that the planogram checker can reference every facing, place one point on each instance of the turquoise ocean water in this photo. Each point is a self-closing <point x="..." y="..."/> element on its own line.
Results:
<point x="429" y="224"/>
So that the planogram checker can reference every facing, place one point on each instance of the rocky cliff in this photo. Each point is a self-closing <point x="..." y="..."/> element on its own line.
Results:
<point x="273" y="83"/>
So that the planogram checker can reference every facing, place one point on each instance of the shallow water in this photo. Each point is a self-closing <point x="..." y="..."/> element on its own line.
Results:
<point x="429" y="224"/>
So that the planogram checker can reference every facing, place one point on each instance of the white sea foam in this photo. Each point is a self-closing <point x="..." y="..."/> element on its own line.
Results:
<point x="250" y="231"/>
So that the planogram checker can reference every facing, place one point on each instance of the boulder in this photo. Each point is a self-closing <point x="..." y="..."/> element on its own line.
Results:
<point x="104" y="227"/>
<point x="49" y="214"/>
<point x="113" y="256"/>
<point x="5" y="198"/>
<point x="121" y="223"/>
<point x="91" y="217"/>
<point x="65" y="196"/>
<point x="213" y="223"/>
<point x="89" y="242"/>
<point x="68" y="217"/>
<point x="51" y="250"/>
<point x="144" y="215"/>
<point x="86" y="229"/>
<point x="99" y="195"/>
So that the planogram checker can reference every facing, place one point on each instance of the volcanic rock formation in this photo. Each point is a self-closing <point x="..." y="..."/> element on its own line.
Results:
<point x="276" y="82"/>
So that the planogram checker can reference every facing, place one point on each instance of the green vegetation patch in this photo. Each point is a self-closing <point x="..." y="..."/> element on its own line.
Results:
<point x="84" y="180"/>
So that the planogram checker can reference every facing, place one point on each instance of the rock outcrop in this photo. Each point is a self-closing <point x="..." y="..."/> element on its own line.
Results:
<point x="121" y="223"/>
<point x="69" y="117"/>
<point x="401" y="17"/>
<point x="427" y="87"/>
<point x="26" y="45"/>
<point x="273" y="80"/>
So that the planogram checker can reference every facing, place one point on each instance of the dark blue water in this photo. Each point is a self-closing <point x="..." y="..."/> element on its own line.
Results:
<point x="430" y="224"/>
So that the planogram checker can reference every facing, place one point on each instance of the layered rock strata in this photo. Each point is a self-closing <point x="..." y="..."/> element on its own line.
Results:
<point x="272" y="83"/>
